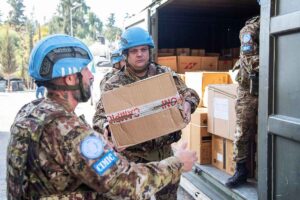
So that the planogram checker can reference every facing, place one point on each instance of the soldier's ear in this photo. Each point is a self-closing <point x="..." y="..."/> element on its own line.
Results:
<point x="70" y="79"/>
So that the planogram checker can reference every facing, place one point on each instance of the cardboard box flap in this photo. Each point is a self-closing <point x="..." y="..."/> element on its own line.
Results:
<point x="225" y="89"/>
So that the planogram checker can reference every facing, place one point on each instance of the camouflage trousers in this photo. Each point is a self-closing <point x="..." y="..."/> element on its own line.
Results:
<point x="246" y="112"/>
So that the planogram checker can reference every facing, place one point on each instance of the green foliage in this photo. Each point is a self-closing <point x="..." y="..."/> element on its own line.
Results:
<point x="16" y="16"/>
<point x="8" y="42"/>
<point x="84" y="22"/>
<point x="112" y="32"/>
<point x="111" y="20"/>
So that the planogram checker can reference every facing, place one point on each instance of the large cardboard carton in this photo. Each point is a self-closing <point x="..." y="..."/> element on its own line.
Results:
<point x="197" y="52"/>
<point x="221" y="110"/>
<point x="200" y="80"/>
<point x="143" y="110"/>
<point x="169" y="61"/>
<point x="224" y="65"/>
<point x="198" y="138"/>
<point x="209" y="63"/>
<point x="222" y="154"/>
<point x="218" y="152"/>
<point x="182" y="51"/>
<point x="188" y="63"/>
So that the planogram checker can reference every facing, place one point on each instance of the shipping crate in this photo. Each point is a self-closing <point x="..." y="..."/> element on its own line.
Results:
<point x="188" y="63"/>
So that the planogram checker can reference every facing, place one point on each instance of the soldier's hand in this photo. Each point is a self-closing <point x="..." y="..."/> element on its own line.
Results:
<point x="187" y="112"/>
<point x="187" y="157"/>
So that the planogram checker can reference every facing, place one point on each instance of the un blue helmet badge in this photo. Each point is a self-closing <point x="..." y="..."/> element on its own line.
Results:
<point x="247" y="43"/>
<point x="91" y="147"/>
<point x="246" y="38"/>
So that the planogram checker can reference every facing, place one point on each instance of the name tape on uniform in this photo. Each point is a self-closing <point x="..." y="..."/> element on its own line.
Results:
<point x="107" y="161"/>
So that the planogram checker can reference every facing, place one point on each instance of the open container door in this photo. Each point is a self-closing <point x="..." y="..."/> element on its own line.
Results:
<point x="279" y="97"/>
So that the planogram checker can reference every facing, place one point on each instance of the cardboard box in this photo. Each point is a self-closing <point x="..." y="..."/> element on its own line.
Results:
<point x="218" y="150"/>
<point x="198" y="138"/>
<point x="143" y="110"/>
<point x="222" y="154"/>
<point x="165" y="50"/>
<point x="197" y="52"/>
<point x="230" y="164"/>
<point x="200" y="141"/>
<point x="221" y="110"/>
<point x="209" y="63"/>
<point x="169" y="61"/>
<point x="224" y="65"/>
<point x="235" y="52"/>
<point x="200" y="80"/>
<point x="182" y="51"/>
<point x="212" y="54"/>
<point x="188" y="63"/>
<point x="164" y="54"/>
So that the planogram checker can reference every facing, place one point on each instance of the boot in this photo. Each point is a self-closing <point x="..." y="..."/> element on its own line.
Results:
<point x="239" y="177"/>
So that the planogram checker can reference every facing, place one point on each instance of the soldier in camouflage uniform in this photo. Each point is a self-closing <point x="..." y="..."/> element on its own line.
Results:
<point x="117" y="60"/>
<point x="54" y="154"/>
<point x="247" y="98"/>
<point x="136" y="44"/>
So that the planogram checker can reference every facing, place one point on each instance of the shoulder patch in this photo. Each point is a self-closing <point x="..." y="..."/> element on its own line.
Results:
<point x="91" y="147"/>
<point x="105" y="162"/>
<point x="246" y="37"/>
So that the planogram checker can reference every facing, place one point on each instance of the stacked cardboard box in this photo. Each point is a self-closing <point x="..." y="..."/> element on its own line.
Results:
<point x="221" y="110"/>
<point x="200" y="80"/>
<point x="169" y="61"/>
<point x="197" y="137"/>
<point x="222" y="154"/>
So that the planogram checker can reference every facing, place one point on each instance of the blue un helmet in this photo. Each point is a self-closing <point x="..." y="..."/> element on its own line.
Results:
<point x="58" y="56"/>
<point x="116" y="56"/>
<point x="135" y="36"/>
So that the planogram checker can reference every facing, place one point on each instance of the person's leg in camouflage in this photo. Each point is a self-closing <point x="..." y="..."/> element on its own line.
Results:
<point x="246" y="112"/>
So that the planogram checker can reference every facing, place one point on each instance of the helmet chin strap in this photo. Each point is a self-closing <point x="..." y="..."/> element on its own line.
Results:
<point x="83" y="96"/>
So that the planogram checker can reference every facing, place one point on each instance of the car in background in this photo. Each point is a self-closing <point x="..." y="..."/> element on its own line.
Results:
<point x="17" y="85"/>
<point x="3" y="84"/>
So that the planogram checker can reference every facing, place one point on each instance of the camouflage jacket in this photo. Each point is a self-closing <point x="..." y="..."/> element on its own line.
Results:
<point x="107" y="76"/>
<point x="54" y="154"/>
<point x="246" y="65"/>
<point x="249" y="52"/>
<point x="158" y="148"/>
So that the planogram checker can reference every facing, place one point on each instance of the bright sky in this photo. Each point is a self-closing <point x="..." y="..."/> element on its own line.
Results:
<point x="44" y="9"/>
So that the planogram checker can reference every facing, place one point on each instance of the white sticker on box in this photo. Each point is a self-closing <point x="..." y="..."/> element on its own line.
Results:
<point x="219" y="157"/>
<point x="221" y="108"/>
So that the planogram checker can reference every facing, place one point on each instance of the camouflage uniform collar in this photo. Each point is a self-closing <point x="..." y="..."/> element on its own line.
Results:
<point x="57" y="99"/>
<point x="151" y="72"/>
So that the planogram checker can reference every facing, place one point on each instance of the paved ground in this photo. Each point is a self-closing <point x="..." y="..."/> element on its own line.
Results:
<point x="10" y="103"/>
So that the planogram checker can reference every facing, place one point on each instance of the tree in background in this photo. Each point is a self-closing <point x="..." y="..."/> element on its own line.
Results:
<point x="16" y="17"/>
<point x="85" y="23"/>
<point x="112" y="32"/>
<point x="8" y="55"/>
